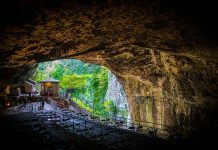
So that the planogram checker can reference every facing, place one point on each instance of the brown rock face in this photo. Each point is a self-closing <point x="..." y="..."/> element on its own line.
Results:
<point x="172" y="89"/>
<point x="165" y="58"/>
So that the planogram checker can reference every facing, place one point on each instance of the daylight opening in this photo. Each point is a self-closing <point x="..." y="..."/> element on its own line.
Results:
<point x="93" y="88"/>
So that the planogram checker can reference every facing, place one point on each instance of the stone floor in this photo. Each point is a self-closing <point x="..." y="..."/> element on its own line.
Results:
<point x="17" y="132"/>
<point x="24" y="127"/>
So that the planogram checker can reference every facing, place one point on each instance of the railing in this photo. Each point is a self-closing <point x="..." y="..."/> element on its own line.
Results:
<point x="130" y="125"/>
<point x="138" y="126"/>
<point x="49" y="94"/>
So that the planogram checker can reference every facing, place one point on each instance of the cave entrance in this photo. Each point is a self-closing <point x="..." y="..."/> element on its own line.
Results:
<point x="93" y="88"/>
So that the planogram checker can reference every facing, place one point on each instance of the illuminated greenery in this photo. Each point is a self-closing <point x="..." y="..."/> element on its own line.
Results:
<point x="83" y="105"/>
<point x="89" y="82"/>
<point x="74" y="81"/>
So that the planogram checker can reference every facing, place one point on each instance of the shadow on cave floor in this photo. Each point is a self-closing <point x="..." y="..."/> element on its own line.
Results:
<point x="25" y="130"/>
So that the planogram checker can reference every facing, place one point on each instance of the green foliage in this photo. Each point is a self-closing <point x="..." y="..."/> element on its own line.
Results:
<point x="40" y="72"/>
<point x="83" y="105"/>
<point x="109" y="107"/>
<point x="123" y="113"/>
<point x="99" y="83"/>
<point x="74" y="81"/>
<point x="89" y="81"/>
<point x="58" y="71"/>
<point x="40" y="76"/>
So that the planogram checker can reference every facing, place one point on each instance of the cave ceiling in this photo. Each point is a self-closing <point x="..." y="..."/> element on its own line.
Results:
<point x="109" y="32"/>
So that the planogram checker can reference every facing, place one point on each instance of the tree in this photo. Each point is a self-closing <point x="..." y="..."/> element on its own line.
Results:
<point x="89" y="81"/>
<point x="58" y="71"/>
<point x="74" y="81"/>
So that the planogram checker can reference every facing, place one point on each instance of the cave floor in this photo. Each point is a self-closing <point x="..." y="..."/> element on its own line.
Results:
<point x="17" y="132"/>
<point x="27" y="130"/>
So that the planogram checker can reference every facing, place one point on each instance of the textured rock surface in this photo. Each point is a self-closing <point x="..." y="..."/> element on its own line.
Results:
<point x="116" y="93"/>
<point x="165" y="58"/>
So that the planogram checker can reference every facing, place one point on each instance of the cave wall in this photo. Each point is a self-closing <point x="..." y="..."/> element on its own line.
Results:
<point x="16" y="75"/>
<point x="165" y="56"/>
<point x="173" y="89"/>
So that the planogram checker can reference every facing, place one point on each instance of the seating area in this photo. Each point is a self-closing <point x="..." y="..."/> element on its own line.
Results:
<point x="27" y="131"/>
<point x="42" y="121"/>
<point x="101" y="131"/>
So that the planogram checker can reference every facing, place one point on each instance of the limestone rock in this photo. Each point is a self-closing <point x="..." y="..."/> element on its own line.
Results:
<point x="164" y="54"/>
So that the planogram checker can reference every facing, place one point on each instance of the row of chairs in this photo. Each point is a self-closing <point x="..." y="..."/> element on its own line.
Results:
<point x="38" y="135"/>
<point x="34" y="131"/>
<point x="86" y="126"/>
